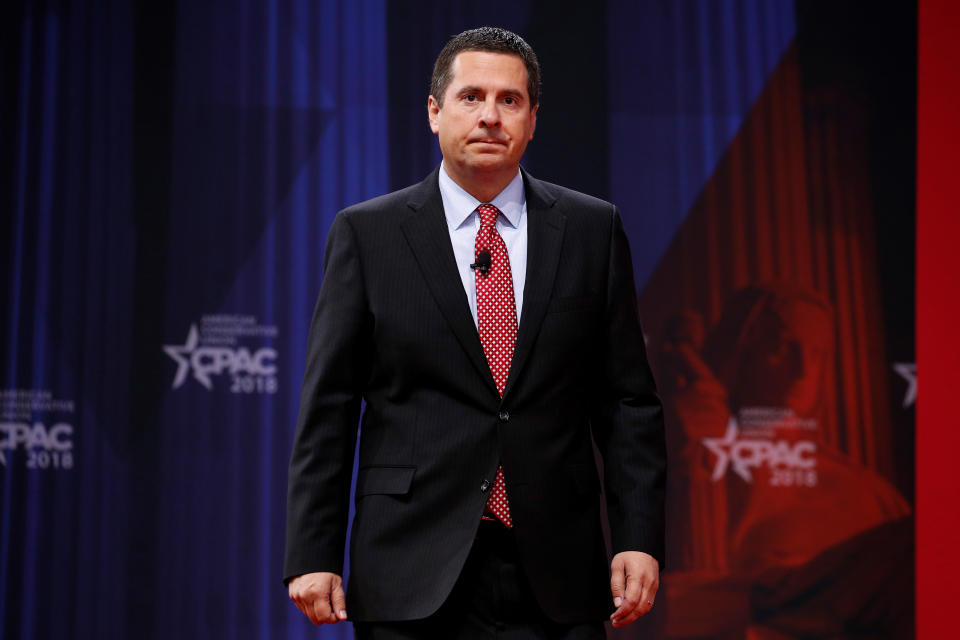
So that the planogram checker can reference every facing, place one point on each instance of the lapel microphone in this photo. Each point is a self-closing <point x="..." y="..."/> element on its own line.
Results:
<point x="483" y="262"/>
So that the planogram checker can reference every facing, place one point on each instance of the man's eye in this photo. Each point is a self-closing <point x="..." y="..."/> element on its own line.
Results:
<point x="470" y="97"/>
<point x="509" y="100"/>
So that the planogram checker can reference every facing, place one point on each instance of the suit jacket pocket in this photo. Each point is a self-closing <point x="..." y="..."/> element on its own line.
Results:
<point x="573" y="303"/>
<point x="384" y="480"/>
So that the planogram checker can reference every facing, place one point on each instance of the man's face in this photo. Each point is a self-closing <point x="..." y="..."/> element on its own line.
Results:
<point x="486" y="120"/>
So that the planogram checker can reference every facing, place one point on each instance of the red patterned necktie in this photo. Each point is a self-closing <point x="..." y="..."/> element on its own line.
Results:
<point x="497" y="323"/>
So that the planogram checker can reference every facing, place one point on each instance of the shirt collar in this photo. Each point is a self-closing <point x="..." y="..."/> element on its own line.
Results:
<point x="458" y="205"/>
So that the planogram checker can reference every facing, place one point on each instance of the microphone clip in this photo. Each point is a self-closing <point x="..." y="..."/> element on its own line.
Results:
<point x="483" y="262"/>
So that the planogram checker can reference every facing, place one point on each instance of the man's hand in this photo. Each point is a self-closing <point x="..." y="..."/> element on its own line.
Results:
<point x="320" y="597"/>
<point x="634" y="580"/>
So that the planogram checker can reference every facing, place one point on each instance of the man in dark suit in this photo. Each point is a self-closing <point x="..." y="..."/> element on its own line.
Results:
<point x="489" y="321"/>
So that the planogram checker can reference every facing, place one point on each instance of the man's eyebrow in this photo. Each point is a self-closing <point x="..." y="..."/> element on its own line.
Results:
<point x="472" y="89"/>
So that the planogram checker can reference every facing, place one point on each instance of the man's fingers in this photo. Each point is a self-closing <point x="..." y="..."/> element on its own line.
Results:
<point x="321" y="609"/>
<point x="631" y="596"/>
<point x="634" y="586"/>
<point x="617" y="582"/>
<point x="644" y="603"/>
<point x="306" y="608"/>
<point x="651" y="583"/>
<point x="649" y="594"/>
<point x="313" y="593"/>
<point x="339" y="600"/>
<point x="626" y="592"/>
<point x="630" y="609"/>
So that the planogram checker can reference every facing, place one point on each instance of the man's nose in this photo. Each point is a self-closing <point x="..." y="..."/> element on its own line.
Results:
<point x="490" y="115"/>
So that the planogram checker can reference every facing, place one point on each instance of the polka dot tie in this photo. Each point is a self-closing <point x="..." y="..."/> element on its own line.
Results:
<point x="497" y="322"/>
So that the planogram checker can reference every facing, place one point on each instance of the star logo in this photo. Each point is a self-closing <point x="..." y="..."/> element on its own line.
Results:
<point x="181" y="355"/>
<point x="722" y="448"/>
<point x="908" y="371"/>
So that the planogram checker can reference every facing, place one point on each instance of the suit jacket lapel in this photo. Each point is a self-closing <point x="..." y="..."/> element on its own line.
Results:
<point x="425" y="227"/>
<point x="545" y="227"/>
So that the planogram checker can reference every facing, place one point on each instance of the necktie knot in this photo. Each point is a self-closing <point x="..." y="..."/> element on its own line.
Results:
<point x="488" y="215"/>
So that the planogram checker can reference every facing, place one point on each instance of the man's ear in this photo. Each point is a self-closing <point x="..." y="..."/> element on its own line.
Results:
<point x="533" y="117"/>
<point x="433" y="114"/>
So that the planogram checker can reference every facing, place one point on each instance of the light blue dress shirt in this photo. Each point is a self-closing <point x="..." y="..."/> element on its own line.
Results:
<point x="463" y="222"/>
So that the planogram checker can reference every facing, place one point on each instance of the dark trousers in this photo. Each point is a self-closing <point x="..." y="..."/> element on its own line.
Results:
<point x="491" y="599"/>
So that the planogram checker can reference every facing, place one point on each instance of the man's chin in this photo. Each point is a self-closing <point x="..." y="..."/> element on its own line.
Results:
<point x="488" y="162"/>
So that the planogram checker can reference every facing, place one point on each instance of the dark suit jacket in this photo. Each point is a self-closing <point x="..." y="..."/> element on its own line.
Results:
<point x="392" y="326"/>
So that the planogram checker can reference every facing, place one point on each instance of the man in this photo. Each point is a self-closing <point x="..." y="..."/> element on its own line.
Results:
<point x="489" y="322"/>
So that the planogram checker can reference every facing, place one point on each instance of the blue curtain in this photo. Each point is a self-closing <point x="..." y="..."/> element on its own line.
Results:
<point x="173" y="170"/>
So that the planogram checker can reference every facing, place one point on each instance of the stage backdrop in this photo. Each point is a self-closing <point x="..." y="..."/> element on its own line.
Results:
<point x="170" y="174"/>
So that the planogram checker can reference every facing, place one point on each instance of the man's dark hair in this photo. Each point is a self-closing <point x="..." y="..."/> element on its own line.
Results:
<point x="493" y="39"/>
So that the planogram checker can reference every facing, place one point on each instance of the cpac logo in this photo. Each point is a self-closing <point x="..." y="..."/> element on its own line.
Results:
<point x="15" y="434"/>
<point x="744" y="455"/>
<point x="208" y="361"/>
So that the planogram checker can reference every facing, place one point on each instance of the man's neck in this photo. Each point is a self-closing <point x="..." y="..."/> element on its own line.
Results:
<point x="484" y="186"/>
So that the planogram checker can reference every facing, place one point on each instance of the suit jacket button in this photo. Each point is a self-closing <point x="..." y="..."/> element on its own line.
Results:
<point x="504" y="416"/>
<point x="484" y="486"/>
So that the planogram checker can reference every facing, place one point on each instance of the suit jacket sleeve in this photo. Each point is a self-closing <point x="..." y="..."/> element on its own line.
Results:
<point x="338" y="362"/>
<point x="628" y="418"/>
